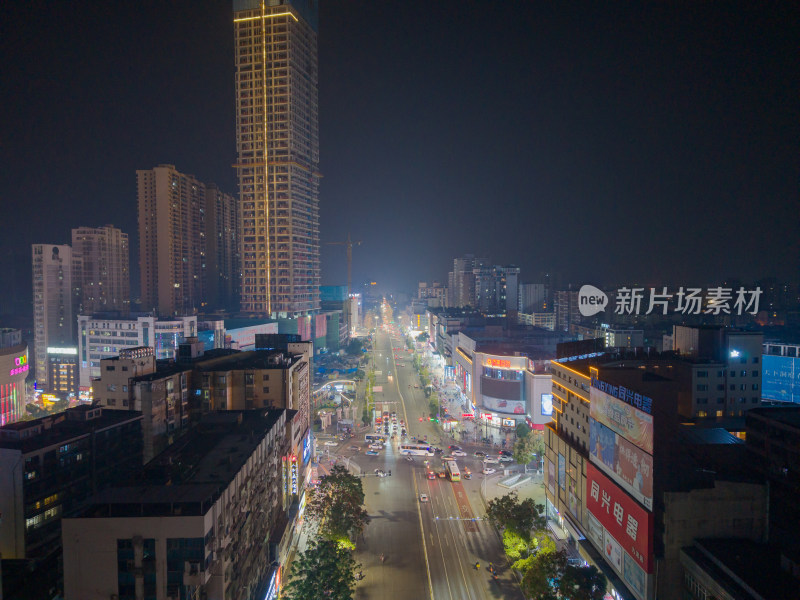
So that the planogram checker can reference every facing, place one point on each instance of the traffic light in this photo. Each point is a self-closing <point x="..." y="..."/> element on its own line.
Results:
<point x="420" y="419"/>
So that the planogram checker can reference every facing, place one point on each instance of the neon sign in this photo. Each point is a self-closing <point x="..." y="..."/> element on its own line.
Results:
<point x="496" y="362"/>
<point x="22" y="365"/>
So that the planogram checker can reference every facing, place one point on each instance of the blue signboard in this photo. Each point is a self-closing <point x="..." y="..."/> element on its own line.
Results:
<point x="780" y="378"/>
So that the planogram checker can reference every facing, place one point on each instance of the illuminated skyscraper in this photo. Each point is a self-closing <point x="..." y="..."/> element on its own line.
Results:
<point x="277" y="139"/>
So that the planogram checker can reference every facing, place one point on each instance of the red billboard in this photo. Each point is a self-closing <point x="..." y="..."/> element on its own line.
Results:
<point x="628" y="523"/>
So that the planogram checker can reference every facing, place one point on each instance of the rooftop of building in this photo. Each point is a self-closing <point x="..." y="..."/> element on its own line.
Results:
<point x="133" y="317"/>
<point x="746" y="569"/>
<point x="787" y="415"/>
<point x="168" y="367"/>
<point x="188" y="477"/>
<point x="251" y="359"/>
<point x="61" y="427"/>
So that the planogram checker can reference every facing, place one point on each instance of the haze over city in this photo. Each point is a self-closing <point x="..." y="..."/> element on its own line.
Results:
<point x="641" y="143"/>
<point x="381" y="299"/>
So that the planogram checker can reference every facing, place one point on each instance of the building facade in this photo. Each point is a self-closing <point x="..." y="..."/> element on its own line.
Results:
<point x="222" y="250"/>
<point x="14" y="368"/>
<point x="56" y="297"/>
<point x="172" y="259"/>
<point x="105" y="282"/>
<point x="63" y="372"/>
<point x="192" y="533"/>
<point x="277" y="140"/>
<point x="100" y="338"/>
<point x="49" y="467"/>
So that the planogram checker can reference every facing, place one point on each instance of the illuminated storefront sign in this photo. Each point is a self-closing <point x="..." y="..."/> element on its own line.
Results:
<point x="467" y="415"/>
<point x="496" y="362"/>
<point x="62" y="350"/>
<point x="629" y="422"/>
<point x="274" y="585"/>
<point x="22" y="365"/>
<point x="634" y="399"/>
<point x="293" y="474"/>
<point x="629" y="524"/>
<point x="627" y="465"/>
<point x="508" y="422"/>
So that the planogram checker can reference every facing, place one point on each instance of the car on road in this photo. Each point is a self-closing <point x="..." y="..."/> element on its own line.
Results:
<point x="489" y="471"/>
<point x="431" y="475"/>
<point x="448" y="457"/>
<point x="506" y="459"/>
<point x="375" y="446"/>
<point x="331" y="443"/>
<point x="356" y="448"/>
<point x="423" y="497"/>
<point x="459" y="453"/>
<point x="372" y="453"/>
<point x="454" y="447"/>
<point x="480" y="454"/>
<point x="442" y="474"/>
<point x="506" y="453"/>
<point x="380" y="472"/>
<point x="466" y="475"/>
<point x="436" y="449"/>
<point x="491" y="460"/>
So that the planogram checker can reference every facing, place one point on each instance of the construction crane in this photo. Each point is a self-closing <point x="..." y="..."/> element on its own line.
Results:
<point x="348" y="243"/>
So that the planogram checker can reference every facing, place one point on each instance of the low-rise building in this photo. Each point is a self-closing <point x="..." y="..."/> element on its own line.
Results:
<point x="49" y="468"/>
<point x="197" y="524"/>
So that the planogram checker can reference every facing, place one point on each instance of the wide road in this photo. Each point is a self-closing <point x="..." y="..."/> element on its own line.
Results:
<point x="430" y="548"/>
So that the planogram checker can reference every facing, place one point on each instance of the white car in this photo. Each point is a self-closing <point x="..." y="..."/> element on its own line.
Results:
<point x="488" y="471"/>
<point x="490" y="460"/>
<point x="375" y="446"/>
<point x="423" y="497"/>
<point x="506" y="459"/>
<point x="459" y="453"/>
<point x="331" y="443"/>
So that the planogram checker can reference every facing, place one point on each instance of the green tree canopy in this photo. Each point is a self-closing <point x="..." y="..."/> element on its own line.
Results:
<point x="525" y="448"/>
<point x="336" y="506"/>
<point x="522" y="517"/>
<point x="541" y="579"/>
<point x="582" y="583"/>
<point x="522" y="431"/>
<point x="324" y="570"/>
<point x="354" y="347"/>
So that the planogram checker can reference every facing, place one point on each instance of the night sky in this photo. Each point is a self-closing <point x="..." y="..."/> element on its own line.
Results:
<point x="610" y="143"/>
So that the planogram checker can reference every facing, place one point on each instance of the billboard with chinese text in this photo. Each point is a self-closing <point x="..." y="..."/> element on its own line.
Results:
<point x="629" y="422"/>
<point x="629" y="466"/>
<point x="627" y="522"/>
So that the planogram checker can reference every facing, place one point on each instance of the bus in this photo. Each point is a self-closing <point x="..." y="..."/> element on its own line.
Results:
<point x="452" y="470"/>
<point x="375" y="438"/>
<point x="416" y="449"/>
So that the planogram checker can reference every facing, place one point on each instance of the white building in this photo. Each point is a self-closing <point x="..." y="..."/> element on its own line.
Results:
<point x="100" y="338"/>
<point x="503" y="386"/>
<point x="54" y="301"/>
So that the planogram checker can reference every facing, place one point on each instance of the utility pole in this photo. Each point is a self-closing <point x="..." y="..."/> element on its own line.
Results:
<point x="348" y="243"/>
